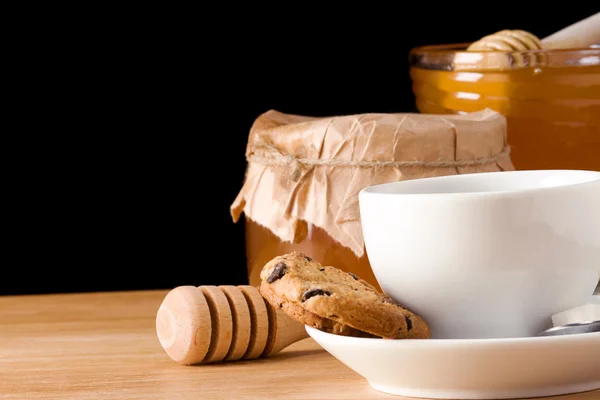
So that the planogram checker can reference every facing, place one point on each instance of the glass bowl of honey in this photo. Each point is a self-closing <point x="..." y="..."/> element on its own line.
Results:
<point x="550" y="98"/>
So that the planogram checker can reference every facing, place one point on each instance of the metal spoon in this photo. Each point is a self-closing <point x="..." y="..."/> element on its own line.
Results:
<point x="571" y="329"/>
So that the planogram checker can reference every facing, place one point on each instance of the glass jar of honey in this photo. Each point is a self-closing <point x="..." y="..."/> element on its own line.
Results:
<point x="300" y="192"/>
<point x="551" y="99"/>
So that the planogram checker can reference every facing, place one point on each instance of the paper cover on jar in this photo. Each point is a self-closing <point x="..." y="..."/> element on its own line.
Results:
<point x="310" y="169"/>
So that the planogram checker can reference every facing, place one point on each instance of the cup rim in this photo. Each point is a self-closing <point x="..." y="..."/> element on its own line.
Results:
<point x="382" y="189"/>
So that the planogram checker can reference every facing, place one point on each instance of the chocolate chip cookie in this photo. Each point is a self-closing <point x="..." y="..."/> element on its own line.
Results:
<point x="336" y="300"/>
<point x="301" y="314"/>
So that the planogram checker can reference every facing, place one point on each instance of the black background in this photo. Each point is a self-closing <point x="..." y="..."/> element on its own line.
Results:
<point x="145" y="125"/>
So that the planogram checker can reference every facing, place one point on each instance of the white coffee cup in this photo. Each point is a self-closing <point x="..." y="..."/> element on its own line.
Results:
<point x="486" y="255"/>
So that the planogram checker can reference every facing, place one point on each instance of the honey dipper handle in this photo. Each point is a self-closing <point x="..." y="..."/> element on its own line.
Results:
<point x="581" y="34"/>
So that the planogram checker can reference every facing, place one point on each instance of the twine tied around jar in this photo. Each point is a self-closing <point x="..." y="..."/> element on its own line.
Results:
<point x="271" y="155"/>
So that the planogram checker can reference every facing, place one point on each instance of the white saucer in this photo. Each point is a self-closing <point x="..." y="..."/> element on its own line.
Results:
<point x="471" y="369"/>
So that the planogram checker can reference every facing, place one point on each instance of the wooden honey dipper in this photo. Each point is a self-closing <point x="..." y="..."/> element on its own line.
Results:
<point x="581" y="34"/>
<point x="207" y="324"/>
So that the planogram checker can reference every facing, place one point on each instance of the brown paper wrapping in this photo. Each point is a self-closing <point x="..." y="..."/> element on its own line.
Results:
<point x="307" y="169"/>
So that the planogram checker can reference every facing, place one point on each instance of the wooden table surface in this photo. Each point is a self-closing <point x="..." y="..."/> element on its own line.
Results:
<point x="104" y="346"/>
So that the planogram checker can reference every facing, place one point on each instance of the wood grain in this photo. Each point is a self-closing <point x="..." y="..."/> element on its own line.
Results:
<point x="104" y="346"/>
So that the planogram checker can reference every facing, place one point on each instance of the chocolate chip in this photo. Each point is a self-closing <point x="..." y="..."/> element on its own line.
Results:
<point x="408" y="322"/>
<point x="307" y="258"/>
<point x="354" y="276"/>
<point x="314" y="292"/>
<point x="277" y="273"/>
<point x="321" y="269"/>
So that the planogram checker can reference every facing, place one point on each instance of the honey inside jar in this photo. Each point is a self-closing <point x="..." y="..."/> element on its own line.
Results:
<point x="262" y="245"/>
<point x="551" y="99"/>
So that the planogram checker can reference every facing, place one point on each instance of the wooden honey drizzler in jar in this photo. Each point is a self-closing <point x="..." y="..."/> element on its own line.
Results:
<point x="208" y="324"/>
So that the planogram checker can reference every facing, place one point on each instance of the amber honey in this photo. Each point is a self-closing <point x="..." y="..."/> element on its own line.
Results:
<point x="552" y="109"/>
<point x="262" y="245"/>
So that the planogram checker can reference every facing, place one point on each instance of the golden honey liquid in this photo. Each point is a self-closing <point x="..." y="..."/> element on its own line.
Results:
<point x="262" y="246"/>
<point x="553" y="113"/>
